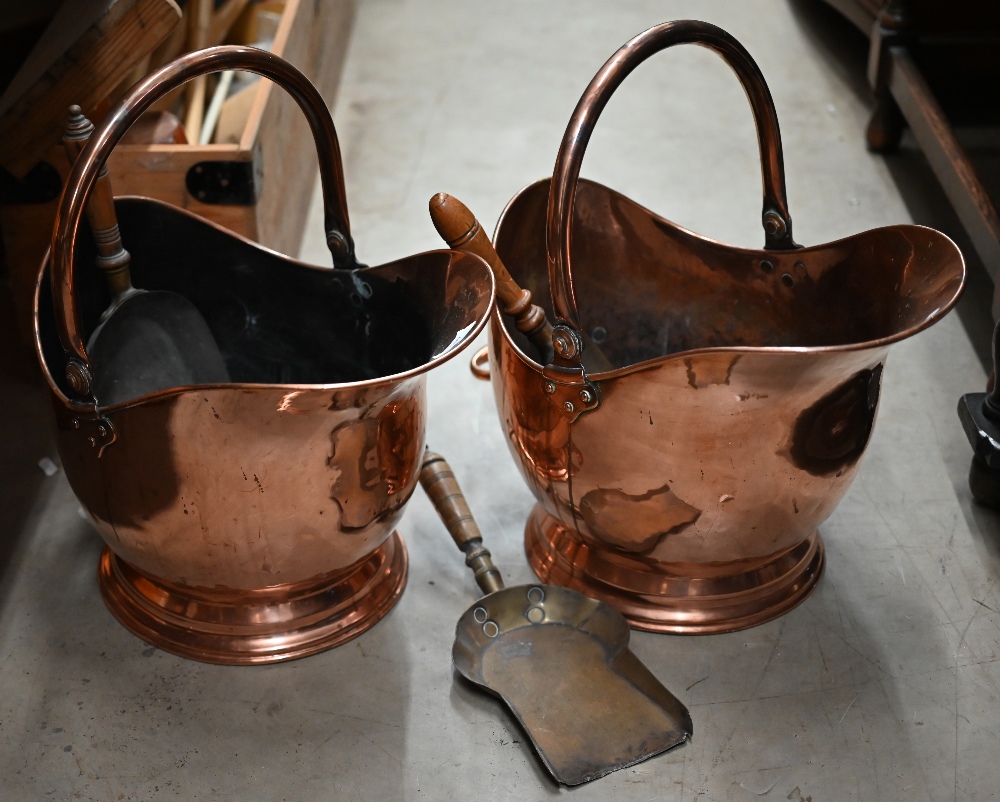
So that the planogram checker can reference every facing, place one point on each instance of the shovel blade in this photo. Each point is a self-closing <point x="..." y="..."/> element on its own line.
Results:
<point x="153" y="341"/>
<point x="587" y="703"/>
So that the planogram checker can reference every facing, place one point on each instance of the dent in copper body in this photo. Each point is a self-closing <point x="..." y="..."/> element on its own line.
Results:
<point x="744" y="386"/>
<point x="635" y="523"/>
<point x="253" y="521"/>
<point x="376" y="457"/>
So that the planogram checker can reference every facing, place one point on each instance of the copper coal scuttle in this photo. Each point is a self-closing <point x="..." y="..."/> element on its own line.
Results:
<point x="245" y="430"/>
<point x="705" y="407"/>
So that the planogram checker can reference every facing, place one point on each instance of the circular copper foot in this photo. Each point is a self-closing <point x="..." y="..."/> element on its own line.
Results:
<point x="670" y="597"/>
<point x="234" y="627"/>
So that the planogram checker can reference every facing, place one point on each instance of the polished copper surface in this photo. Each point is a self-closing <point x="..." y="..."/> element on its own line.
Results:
<point x="253" y="520"/>
<point x="559" y="660"/>
<point x="686" y="485"/>
<point x="277" y="622"/>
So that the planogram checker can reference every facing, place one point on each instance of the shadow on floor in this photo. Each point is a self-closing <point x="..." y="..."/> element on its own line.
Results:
<point x="26" y="435"/>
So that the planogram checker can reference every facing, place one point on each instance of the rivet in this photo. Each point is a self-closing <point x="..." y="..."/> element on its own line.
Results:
<point x="586" y="397"/>
<point x="774" y="224"/>
<point x="560" y="345"/>
<point x="337" y="243"/>
<point x="568" y="406"/>
<point x="550" y="388"/>
<point x="78" y="377"/>
<point x="76" y="423"/>
<point x="92" y="442"/>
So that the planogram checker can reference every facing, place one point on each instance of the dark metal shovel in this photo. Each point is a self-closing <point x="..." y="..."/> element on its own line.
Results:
<point x="559" y="660"/>
<point x="147" y="340"/>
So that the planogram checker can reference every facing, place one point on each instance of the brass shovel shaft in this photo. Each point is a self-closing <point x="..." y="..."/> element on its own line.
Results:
<point x="442" y="488"/>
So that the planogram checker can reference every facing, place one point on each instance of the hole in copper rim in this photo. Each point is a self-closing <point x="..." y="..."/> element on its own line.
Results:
<point x="480" y="615"/>
<point x="536" y="595"/>
<point x="536" y="615"/>
<point x="766" y="266"/>
<point x="490" y="629"/>
<point x="787" y="280"/>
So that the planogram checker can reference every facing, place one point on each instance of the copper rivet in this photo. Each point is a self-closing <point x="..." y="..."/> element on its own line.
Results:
<point x="568" y="406"/>
<point x="559" y="345"/>
<point x="774" y="224"/>
<point x="550" y="388"/>
<point x="337" y="244"/>
<point x="586" y="397"/>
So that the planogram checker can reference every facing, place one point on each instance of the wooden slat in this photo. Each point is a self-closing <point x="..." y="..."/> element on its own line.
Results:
<point x="101" y="56"/>
<point x="948" y="159"/>
<point x="288" y="154"/>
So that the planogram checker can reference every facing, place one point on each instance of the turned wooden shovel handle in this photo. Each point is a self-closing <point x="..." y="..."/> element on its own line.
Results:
<point x="461" y="230"/>
<point x="112" y="257"/>
<point x="442" y="488"/>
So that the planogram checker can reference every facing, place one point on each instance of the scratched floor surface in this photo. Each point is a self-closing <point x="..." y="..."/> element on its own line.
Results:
<point x="882" y="686"/>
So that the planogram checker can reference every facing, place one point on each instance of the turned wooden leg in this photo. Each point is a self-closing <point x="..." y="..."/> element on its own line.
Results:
<point x="885" y="128"/>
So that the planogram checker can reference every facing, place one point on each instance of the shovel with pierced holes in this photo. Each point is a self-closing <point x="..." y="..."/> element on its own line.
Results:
<point x="559" y="660"/>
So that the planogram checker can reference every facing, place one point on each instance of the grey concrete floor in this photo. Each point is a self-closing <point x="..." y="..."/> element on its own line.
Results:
<point x="883" y="685"/>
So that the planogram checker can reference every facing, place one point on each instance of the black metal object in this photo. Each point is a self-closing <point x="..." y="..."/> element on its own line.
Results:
<point x="980" y="416"/>
<point x="236" y="183"/>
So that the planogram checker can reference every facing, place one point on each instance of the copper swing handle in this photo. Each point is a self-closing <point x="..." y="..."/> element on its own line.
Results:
<point x="775" y="217"/>
<point x="85" y="173"/>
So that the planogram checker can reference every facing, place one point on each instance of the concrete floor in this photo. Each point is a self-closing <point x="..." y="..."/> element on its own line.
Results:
<point x="883" y="685"/>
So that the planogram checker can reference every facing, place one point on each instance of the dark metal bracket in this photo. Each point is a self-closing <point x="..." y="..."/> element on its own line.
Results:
<point x="233" y="183"/>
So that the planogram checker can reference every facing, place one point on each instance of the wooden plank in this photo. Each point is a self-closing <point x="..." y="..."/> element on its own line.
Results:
<point x="160" y="171"/>
<point x="100" y="58"/>
<point x="287" y="151"/>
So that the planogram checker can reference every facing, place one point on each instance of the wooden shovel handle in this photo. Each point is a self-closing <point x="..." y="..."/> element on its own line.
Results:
<point x="112" y="257"/>
<point x="442" y="488"/>
<point x="461" y="230"/>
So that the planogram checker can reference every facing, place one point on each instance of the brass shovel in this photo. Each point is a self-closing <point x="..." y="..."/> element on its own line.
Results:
<point x="559" y="660"/>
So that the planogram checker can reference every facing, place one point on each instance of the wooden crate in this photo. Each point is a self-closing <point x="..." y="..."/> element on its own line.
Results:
<point x="275" y="146"/>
